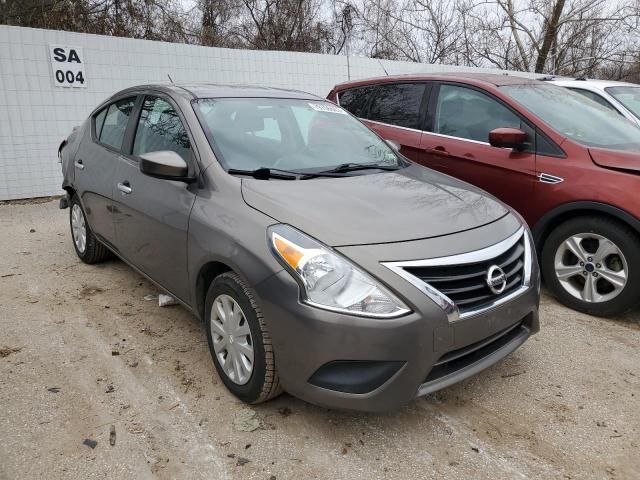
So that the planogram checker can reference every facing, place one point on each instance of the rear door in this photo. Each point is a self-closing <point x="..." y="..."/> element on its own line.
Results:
<point x="460" y="119"/>
<point x="96" y="162"/>
<point x="395" y="111"/>
<point x="151" y="214"/>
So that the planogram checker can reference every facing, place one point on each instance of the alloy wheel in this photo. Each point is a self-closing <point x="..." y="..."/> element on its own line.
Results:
<point x="78" y="228"/>
<point x="232" y="340"/>
<point x="591" y="267"/>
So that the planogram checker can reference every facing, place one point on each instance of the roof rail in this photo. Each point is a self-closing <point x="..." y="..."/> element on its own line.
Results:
<point x="582" y="78"/>
<point x="547" y="78"/>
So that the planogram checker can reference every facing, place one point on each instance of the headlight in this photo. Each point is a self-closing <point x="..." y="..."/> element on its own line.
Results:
<point x="330" y="281"/>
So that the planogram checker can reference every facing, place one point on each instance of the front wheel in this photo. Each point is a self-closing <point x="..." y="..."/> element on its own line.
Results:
<point x="592" y="264"/>
<point x="239" y="341"/>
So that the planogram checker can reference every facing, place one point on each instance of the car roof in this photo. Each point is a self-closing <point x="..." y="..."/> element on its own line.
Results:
<point x="590" y="81"/>
<point x="479" y="79"/>
<point x="213" y="90"/>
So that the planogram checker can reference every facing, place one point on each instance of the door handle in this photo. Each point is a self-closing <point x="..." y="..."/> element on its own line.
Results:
<point x="125" y="188"/>
<point x="78" y="164"/>
<point x="439" y="150"/>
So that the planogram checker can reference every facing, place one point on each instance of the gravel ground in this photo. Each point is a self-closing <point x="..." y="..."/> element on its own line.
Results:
<point x="82" y="351"/>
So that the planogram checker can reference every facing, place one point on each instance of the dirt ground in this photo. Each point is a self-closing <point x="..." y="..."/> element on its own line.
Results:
<point x="82" y="351"/>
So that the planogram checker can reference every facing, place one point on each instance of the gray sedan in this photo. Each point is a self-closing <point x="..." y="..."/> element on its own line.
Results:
<point x="321" y="261"/>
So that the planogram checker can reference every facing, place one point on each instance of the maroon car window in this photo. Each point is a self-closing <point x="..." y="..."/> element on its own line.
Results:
<point x="398" y="104"/>
<point x="467" y="113"/>
<point x="355" y="100"/>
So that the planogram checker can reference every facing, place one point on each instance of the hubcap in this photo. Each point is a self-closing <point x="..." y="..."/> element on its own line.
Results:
<point x="591" y="267"/>
<point x="78" y="228"/>
<point x="232" y="342"/>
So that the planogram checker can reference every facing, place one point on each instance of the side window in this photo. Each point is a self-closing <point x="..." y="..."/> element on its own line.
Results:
<point x="98" y="121"/>
<point x="596" y="98"/>
<point x="160" y="128"/>
<point x="115" y="122"/>
<point x="467" y="113"/>
<point x="398" y="104"/>
<point x="355" y="100"/>
<point x="547" y="147"/>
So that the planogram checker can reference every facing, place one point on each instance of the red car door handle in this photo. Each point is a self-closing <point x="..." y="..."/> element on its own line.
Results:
<point x="439" y="150"/>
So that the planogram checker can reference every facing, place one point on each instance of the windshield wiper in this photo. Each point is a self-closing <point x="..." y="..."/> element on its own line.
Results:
<point x="352" y="167"/>
<point x="264" y="173"/>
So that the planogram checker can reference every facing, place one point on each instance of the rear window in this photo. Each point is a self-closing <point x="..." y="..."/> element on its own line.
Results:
<point x="398" y="104"/>
<point x="355" y="100"/>
<point x="115" y="123"/>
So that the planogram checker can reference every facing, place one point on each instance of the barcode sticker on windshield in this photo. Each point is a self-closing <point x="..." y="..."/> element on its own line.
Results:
<point x="327" y="107"/>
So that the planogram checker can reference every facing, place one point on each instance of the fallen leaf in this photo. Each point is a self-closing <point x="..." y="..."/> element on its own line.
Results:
<point x="6" y="351"/>
<point x="246" y="421"/>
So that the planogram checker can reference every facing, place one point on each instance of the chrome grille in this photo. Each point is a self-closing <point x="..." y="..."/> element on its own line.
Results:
<point x="466" y="285"/>
<point x="458" y="283"/>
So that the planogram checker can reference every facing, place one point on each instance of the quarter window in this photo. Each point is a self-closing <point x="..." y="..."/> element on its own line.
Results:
<point x="115" y="123"/>
<point x="160" y="128"/>
<point x="398" y="104"/>
<point x="467" y="113"/>
<point x="98" y="120"/>
<point x="356" y="100"/>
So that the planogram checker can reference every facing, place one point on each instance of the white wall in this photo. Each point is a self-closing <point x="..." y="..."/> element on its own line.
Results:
<point x="35" y="115"/>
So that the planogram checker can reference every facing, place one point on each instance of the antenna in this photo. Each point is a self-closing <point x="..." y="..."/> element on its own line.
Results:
<point x="385" y="70"/>
<point x="170" y="79"/>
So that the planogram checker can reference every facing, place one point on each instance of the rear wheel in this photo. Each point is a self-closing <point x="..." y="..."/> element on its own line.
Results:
<point x="592" y="264"/>
<point x="239" y="341"/>
<point x="87" y="246"/>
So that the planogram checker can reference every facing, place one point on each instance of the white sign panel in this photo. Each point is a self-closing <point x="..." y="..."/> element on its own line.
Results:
<point x="67" y="66"/>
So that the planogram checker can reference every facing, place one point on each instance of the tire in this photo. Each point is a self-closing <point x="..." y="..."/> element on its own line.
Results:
<point x="90" y="250"/>
<point x="588" y="236"/>
<point x="262" y="383"/>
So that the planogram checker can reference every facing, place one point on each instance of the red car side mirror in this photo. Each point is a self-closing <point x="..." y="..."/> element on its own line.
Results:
<point x="508" y="138"/>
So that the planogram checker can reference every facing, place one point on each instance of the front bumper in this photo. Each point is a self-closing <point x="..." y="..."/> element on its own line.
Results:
<point x="418" y="353"/>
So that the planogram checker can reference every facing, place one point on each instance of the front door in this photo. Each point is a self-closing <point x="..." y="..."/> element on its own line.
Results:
<point x="151" y="214"/>
<point x="458" y="144"/>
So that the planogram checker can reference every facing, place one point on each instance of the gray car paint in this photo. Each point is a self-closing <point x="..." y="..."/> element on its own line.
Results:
<point x="408" y="204"/>
<point x="174" y="232"/>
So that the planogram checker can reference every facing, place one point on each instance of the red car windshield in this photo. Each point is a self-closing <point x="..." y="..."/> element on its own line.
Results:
<point x="577" y="117"/>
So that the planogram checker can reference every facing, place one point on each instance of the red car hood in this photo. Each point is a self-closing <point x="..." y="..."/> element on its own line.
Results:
<point x="616" y="159"/>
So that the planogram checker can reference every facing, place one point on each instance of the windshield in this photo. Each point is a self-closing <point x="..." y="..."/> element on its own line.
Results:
<point x="289" y="134"/>
<point x="577" y="117"/>
<point x="628" y="96"/>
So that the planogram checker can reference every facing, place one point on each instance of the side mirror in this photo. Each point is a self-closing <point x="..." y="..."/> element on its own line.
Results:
<point x="164" y="164"/>
<point x="508" y="138"/>
<point x="394" y="145"/>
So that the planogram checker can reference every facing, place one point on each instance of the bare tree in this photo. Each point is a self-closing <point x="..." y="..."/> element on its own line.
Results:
<point x="555" y="36"/>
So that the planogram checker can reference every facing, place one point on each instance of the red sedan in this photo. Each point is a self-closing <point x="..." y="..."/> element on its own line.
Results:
<point x="567" y="164"/>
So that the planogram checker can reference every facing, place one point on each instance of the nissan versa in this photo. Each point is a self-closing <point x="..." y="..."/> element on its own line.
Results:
<point x="569" y="165"/>
<point x="321" y="261"/>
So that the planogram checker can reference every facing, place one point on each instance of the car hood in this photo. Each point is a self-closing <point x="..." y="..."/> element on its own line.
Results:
<point x="409" y="204"/>
<point x="616" y="159"/>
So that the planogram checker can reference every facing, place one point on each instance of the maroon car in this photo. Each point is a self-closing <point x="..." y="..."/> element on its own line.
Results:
<point x="567" y="164"/>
